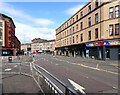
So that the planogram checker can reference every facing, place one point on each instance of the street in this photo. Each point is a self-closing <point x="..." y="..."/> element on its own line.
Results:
<point x="82" y="75"/>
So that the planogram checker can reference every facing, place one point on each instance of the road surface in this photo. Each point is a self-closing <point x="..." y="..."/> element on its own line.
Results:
<point x="82" y="75"/>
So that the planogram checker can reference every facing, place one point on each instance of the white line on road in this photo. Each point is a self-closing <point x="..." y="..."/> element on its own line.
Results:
<point x="77" y="86"/>
<point x="56" y="64"/>
<point x="9" y="69"/>
<point x="15" y="66"/>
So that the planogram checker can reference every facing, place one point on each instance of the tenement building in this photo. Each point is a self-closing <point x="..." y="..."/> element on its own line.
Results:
<point x="44" y="46"/>
<point x="92" y="32"/>
<point x="9" y="43"/>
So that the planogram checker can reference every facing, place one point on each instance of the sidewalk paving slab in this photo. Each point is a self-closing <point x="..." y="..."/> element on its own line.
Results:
<point x="19" y="84"/>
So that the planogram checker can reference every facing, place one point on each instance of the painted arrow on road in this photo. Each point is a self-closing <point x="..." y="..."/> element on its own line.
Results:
<point x="77" y="86"/>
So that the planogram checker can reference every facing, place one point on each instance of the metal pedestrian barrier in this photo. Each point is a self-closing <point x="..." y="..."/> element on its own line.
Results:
<point x="42" y="80"/>
<point x="45" y="80"/>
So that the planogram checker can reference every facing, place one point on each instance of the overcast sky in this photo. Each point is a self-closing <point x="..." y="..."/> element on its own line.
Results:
<point x="38" y="19"/>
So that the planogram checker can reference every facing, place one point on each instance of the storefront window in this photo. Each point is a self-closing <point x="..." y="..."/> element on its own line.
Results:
<point x="4" y="52"/>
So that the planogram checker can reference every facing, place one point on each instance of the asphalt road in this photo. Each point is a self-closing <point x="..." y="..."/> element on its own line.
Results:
<point x="90" y="75"/>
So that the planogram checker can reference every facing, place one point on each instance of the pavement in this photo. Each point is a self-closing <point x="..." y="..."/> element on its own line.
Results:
<point x="93" y="76"/>
<point x="18" y="83"/>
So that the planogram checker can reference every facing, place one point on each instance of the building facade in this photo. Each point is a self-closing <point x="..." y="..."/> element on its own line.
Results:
<point x="26" y="48"/>
<point x="94" y="31"/>
<point x="44" y="47"/>
<point x="38" y="40"/>
<point x="10" y="45"/>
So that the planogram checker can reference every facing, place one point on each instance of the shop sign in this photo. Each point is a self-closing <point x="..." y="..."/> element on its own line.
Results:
<point x="107" y="43"/>
<point x="98" y="44"/>
<point x="94" y="44"/>
<point x="89" y="45"/>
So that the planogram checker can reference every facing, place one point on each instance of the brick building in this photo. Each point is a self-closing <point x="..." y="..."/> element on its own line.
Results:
<point x="9" y="42"/>
<point x="92" y="32"/>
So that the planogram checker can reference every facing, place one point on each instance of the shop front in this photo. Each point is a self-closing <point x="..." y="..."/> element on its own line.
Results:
<point x="7" y="52"/>
<point x="78" y="50"/>
<point x="108" y="49"/>
<point x="112" y="49"/>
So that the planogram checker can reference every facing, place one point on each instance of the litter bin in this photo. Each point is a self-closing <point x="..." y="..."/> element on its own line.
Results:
<point x="9" y="59"/>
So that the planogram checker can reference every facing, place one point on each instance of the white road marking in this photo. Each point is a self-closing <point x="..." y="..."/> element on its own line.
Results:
<point x="77" y="86"/>
<point x="15" y="66"/>
<point x="9" y="69"/>
<point x="56" y="64"/>
<point x="114" y="88"/>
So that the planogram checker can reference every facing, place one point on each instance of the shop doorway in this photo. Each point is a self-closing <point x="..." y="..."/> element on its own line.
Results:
<point x="107" y="53"/>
